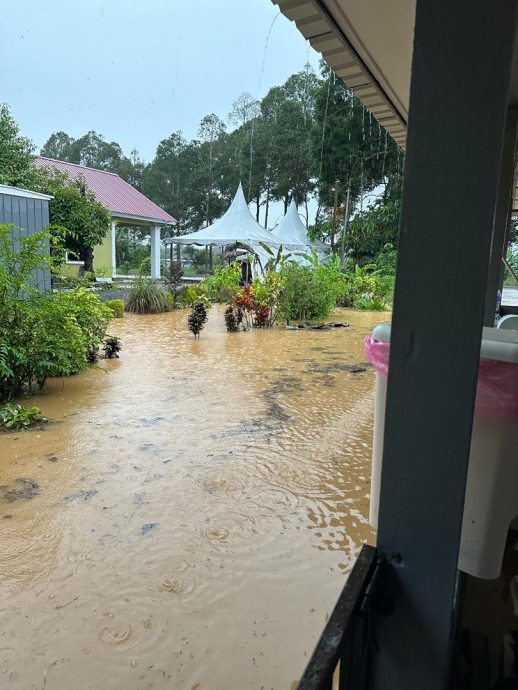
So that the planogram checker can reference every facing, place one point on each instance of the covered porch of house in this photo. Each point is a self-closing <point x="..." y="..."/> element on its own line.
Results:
<point x="106" y="254"/>
<point x="442" y="78"/>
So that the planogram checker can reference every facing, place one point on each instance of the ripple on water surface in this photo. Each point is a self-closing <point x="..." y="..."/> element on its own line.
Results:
<point x="198" y="502"/>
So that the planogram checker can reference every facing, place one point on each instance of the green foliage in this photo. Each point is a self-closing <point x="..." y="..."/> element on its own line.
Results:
<point x="196" y="293"/>
<point x="85" y="221"/>
<point x="512" y="260"/>
<point x="366" y="288"/>
<point x="309" y="292"/>
<point x="145" y="267"/>
<point x="386" y="261"/>
<point x="41" y="334"/>
<point x="94" y="151"/>
<point x="116" y="306"/>
<point x="148" y="296"/>
<point x="223" y="285"/>
<point x="17" y="417"/>
<point x="16" y="154"/>
<point x="370" y="232"/>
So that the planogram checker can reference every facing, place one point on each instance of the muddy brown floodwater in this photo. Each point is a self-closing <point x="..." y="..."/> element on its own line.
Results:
<point x="196" y="510"/>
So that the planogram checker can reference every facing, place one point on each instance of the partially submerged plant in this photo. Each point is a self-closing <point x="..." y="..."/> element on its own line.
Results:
<point x="112" y="347"/>
<point x="148" y="296"/>
<point x="116" y="306"/>
<point x="231" y="320"/>
<point x="197" y="318"/>
<point x="92" y="355"/>
<point x="17" y="417"/>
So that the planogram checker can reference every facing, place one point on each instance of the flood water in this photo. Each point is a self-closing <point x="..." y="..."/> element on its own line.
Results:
<point x="198" y="506"/>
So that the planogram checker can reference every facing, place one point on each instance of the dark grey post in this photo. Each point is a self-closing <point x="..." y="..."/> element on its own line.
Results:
<point x="502" y="217"/>
<point x="458" y="102"/>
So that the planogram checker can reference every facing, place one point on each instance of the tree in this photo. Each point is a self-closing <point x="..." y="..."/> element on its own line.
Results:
<point x="348" y="144"/>
<point x="94" y="151"/>
<point x="83" y="220"/>
<point x="210" y="131"/>
<point x="16" y="154"/>
<point x="59" y="146"/>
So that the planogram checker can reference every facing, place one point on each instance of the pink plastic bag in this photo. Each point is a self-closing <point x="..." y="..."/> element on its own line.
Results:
<point x="497" y="387"/>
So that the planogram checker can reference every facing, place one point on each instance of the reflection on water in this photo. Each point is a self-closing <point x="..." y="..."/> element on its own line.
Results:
<point x="198" y="505"/>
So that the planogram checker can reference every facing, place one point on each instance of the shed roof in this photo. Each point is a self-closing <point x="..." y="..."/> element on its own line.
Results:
<point x="114" y="193"/>
<point x="26" y="193"/>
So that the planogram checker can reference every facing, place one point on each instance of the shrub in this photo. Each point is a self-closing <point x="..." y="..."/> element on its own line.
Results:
<point x="231" y="319"/>
<point x="367" y="289"/>
<point x="223" y="285"/>
<point x="196" y="293"/>
<point x="42" y="334"/>
<point x="309" y="292"/>
<point x="16" y="417"/>
<point x="112" y="347"/>
<point x="116" y="306"/>
<point x="147" y="296"/>
<point x="173" y="276"/>
<point x="197" y="318"/>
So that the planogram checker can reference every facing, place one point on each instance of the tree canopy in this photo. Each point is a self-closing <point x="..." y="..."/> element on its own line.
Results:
<point x="299" y="139"/>
<point x="302" y="138"/>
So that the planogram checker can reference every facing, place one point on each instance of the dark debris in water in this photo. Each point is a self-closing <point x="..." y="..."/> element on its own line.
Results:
<point x="84" y="495"/>
<point x="148" y="527"/>
<point x="150" y="421"/>
<point x="23" y="489"/>
<point x="318" y="368"/>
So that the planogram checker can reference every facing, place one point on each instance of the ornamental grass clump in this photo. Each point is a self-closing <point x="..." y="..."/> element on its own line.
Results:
<point x="148" y="296"/>
<point x="197" y="318"/>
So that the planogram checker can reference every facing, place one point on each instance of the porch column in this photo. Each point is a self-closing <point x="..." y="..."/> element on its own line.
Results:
<point x="458" y="101"/>
<point x="113" y="248"/>
<point x="502" y="217"/>
<point x="155" y="251"/>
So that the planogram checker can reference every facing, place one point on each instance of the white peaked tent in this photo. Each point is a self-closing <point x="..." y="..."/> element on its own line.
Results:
<point x="237" y="225"/>
<point x="292" y="234"/>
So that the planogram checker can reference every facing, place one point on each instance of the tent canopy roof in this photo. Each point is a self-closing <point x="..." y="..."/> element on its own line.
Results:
<point x="237" y="225"/>
<point x="292" y="232"/>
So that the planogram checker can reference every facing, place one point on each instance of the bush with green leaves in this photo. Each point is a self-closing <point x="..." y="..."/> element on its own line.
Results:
<point x="42" y="334"/>
<point x="367" y="288"/>
<point x="116" y="306"/>
<point x="223" y="285"/>
<point x="311" y="291"/>
<point x="17" y="417"/>
<point x="193" y="294"/>
<point x="148" y="296"/>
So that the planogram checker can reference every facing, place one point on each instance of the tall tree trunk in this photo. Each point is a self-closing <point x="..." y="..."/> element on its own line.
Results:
<point x="87" y="255"/>
<point x="285" y="204"/>
<point x="267" y="205"/>
<point x="257" y="206"/>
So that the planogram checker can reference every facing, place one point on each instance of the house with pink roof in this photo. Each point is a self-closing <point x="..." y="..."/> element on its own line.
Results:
<point x="127" y="206"/>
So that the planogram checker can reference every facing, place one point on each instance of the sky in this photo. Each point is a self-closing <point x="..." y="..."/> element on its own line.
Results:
<point x="136" y="71"/>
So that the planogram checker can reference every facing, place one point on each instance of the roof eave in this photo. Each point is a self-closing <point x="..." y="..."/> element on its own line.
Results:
<point x="142" y="219"/>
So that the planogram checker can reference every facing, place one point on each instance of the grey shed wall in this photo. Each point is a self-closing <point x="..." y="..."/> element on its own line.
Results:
<point x="30" y="215"/>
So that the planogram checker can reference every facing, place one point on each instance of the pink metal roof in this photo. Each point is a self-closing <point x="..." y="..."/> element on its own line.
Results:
<point x="111" y="191"/>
